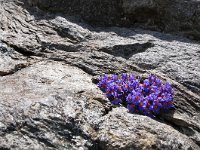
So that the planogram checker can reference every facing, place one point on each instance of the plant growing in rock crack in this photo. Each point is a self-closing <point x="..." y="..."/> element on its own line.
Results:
<point x="148" y="97"/>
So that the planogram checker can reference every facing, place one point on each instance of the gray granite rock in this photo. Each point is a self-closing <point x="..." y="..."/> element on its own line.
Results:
<point x="50" y="105"/>
<point x="50" y="63"/>
<point x="178" y="16"/>
<point x="120" y="130"/>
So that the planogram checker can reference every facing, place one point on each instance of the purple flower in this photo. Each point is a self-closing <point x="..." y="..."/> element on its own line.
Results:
<point x="148" y="97"/>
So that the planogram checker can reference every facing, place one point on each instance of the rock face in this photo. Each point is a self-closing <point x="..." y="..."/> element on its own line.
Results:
<point x="50" y="62"/>
<point x="178" y="16"/>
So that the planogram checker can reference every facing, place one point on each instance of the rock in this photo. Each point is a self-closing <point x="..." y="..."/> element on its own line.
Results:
<point x="49" y="103"/>
<point x="179" y="16"/>
<point x="11" y="61"/>
<point x="119" y="130"/>
<point x="50" y="63"/>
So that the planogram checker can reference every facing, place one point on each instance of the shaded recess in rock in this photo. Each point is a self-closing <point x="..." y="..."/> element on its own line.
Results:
<point x="127" y="51"/>
<point x="63" y="47"/>
<point x="191" y="85"/>
<point x="16" y="68"/>
<point x="170" y="16"/>
<point x="22" y="50"/>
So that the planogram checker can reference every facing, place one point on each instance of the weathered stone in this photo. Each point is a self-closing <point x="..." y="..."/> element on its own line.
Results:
<point x="11" y="61"/>
<point x="53" y="104"/>
<point x="119" y="130"/>
<point x="48" y="66"/>
<point x="179" y="16"/>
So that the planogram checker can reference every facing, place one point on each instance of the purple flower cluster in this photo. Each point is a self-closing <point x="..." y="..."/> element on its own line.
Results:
<point x="148" y="97"/>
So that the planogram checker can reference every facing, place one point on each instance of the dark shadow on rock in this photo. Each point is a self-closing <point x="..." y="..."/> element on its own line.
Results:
<point x="127" y="51"/>
<point x="113" y="15"/>
<point x="121" y="30"/>
<point x="178" y="124"/>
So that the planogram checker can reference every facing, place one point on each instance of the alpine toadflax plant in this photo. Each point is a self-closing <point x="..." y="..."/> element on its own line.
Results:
<point x="148" y="97"/>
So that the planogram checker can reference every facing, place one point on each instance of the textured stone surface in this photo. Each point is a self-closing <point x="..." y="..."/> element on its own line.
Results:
<point x="119" y="130"/>
<point x="47" y="102"/>
<point x="178" y="16"/>
<point x="49" y="64"/>
<point x="11" y="61"/>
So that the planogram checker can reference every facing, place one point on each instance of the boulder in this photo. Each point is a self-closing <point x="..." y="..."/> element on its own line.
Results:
<point x="179" y="16"/>
<point x="49" y="67"/>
